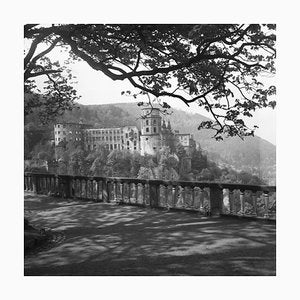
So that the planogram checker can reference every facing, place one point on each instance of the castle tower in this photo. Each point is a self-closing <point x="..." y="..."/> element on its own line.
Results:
<point x="150" y="131"/>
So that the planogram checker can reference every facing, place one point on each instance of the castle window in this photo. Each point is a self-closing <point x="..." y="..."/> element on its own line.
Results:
<point x="154" y="122"/>
<point x="58" y="132"/>
<point x="126" y="135"/>
<point x="127" y="143"/>
<point x="154" y="148"/>
<point x="58" y="126"/>
<point x="146" y="139"/>
<point x="111" y="147"/>
<point x="147" y="122"/>
<point x="147" y="129"/>
<point x="115" y="146"/>
<point x="154" y="129"/>
<point x="134" y="148"/>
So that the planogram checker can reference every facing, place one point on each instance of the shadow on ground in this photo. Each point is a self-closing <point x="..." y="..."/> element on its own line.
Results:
<point x="106" y="239"/>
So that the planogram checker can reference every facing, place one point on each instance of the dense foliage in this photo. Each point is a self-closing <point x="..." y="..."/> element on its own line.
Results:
<point x="73" y="159"/>
<point x="218" y="66"/>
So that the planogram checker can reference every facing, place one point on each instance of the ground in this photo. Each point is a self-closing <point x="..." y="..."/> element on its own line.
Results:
<point x="107" y="239"/>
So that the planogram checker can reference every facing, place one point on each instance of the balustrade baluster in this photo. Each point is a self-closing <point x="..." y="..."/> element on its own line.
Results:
<point x="144" y="194"/>
<point x="166" y="187"/>
<point x="80" y="188"/>
<point x="136" y="192"/>
<point x="254" y="202"/>
<point x="266" y="202"/>
<point x="47" y="184"/>
<point x="193" y="196"/>
<point x="85" y="188"/>
<point x="122" y="192"/>
<point x="109" y="191"/>
<point x="28" y="181"/>
<point x="44" y="185"/>
<point x="115" y="187"/>
<point x="183" y="195"/>
<point x="231" y="201"/>
<point x="242" y="202"/>
<point x="92" y="189"/>
<point x="174" y="195"/>
<point x="97" y="190"/>
<point x="129" y="191"/>
<point x="201" y="198"/>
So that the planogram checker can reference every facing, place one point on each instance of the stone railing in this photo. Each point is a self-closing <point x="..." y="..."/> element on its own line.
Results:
<point x="204" y="197"/>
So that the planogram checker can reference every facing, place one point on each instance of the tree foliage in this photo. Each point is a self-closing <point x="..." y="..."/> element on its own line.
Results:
<point x="59" y="94"/>
<point x="217" y="66"/>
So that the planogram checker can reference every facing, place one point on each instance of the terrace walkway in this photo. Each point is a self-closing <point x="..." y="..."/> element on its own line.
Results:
<point x="107" y="239"/>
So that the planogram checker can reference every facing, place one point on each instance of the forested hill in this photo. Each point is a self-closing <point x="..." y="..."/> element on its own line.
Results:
<point x="253" y="155"/>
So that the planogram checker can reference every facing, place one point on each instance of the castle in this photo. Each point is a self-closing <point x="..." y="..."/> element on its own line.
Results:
<point x="154" y="135"/>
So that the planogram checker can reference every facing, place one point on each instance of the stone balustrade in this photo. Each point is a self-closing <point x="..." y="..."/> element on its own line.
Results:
<point x="204" y="197"/>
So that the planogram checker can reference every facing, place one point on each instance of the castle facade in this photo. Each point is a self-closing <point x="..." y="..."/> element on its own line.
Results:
<point x="155" y="133"/>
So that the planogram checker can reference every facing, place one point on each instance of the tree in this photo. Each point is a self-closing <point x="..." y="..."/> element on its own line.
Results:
<point x="59" y="94"/>
<point x="218" y="66"/>
<point x="77" y="163"/>
<point x="199" y="161"/>
<point x="98" y="159"/>
<point x="118" y="163"/>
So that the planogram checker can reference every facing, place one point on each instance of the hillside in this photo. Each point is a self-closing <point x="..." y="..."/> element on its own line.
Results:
<point x="254" y="154"/>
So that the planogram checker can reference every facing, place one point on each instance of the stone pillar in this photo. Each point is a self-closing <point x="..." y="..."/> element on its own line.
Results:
<point x="242" y="202"/>
<point x="231" y="201"/>
<point x="105" y="195"/>
<point x="34" y="180"/>
<point x="154" y="195"/>
<point x="266" y="200"/>
<point x="216" y="200"/>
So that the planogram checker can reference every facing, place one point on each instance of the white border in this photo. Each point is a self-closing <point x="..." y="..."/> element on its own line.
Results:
<point x="14" y="284"/>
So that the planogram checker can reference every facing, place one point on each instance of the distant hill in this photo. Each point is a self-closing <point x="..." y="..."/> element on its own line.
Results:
<point x="253" y="154"/>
